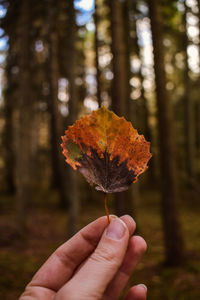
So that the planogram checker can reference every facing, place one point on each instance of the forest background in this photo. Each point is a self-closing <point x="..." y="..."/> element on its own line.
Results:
<point x="62" y="59"/>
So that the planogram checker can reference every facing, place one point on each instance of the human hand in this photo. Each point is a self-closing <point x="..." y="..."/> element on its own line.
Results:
<point x="94" y="264"/>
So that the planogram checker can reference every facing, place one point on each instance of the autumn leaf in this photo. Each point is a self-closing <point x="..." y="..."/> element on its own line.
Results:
<point x="106" y="150"/>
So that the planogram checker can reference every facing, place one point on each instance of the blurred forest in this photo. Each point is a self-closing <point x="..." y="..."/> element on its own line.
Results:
<point x="61" y="59"/>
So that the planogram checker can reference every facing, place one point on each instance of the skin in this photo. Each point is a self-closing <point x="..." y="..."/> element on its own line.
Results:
<point x="94" y="264"/>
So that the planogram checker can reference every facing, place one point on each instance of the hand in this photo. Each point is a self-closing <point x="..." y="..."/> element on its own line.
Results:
<point x="96" y="263"/>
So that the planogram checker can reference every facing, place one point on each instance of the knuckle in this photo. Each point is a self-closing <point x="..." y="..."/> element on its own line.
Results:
<point x="105" y="255"/>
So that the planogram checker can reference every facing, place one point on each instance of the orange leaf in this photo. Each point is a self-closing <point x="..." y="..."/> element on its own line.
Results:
<point x="107" y="150"/>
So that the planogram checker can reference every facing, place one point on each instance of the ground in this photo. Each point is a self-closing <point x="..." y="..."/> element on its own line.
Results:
<point x="47" y="230"/>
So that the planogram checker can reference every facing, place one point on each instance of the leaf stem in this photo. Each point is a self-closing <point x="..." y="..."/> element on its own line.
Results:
<point x="106" y="208"/>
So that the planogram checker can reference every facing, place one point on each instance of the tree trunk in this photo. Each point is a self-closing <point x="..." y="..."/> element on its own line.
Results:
<point x="10" y="98"/>
<point x="96" y="42"/>
<point x="172" y="231"/>
<point x="120" y="87"/>
<point x="198" y="3"/>
<point x="58" y="163"/>
<point x="188" y="114"/>
<point x="197" y="108"/>
<point x="8" y="137"/>
<point x="72" y="180"/>
<point x="197" y="122"/>
<point x="24" y="126"/>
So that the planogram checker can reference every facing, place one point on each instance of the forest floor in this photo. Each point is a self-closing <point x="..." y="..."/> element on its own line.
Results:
<point x="47" y="230"/>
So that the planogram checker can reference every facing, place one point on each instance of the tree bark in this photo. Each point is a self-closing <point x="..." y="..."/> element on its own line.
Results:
<point x="171" y="225"/>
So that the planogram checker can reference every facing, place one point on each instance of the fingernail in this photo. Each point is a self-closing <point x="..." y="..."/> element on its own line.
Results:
<point x="113" y="216"/>
<point x="116" y="229"/>
<point x="142" y="286"/>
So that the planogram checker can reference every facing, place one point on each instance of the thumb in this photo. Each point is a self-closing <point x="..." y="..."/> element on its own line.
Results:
<point x="93" y="277"/>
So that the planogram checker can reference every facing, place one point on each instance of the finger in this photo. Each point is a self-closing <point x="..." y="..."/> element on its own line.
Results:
<point x="138" y="292"/>
<point x="137" y="246"/>
<point x="130" y="223"/>
<point x="35" y="293"/>
<point x="94" y="276"/>
<point x="63" y="262"/>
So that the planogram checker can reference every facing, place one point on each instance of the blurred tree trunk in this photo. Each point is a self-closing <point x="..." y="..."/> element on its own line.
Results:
<point x="55" y="116"/>
<point x="197" y="108"/>
<point x="198" y="4"/>
<point x="172" y="231"/>
<point x="188" y="112"/>
<point x="10" y="97"/>
<point x="73" y="105"/>
<point x="120" y="87"/>
<point x="197" y="122"/>
<point x="8" y="137"/>
<point x="25" y="115"/>
<point x="98" y="73"/>
<point x="55" y="120"/>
